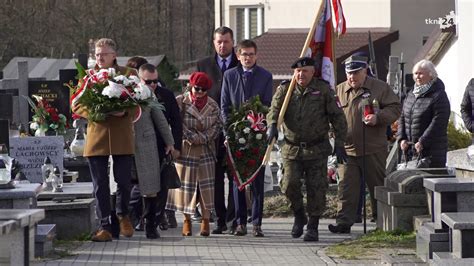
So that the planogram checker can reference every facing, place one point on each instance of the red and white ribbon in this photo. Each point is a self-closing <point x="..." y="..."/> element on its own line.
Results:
<point x="257" y="121"/>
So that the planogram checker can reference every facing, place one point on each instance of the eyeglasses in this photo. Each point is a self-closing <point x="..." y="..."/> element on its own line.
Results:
<point x="198" y="89"/>
<point x="150" y="81"/>
<point x="102" y="54"/>
<point x="247" y="55"/>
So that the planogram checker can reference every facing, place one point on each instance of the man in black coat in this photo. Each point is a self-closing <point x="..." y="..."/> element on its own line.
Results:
<point x="467" y="106"/>
<point x="215" y="66"/>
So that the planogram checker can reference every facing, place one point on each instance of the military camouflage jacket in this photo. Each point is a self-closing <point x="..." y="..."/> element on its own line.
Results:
<point x="307" y="119"/>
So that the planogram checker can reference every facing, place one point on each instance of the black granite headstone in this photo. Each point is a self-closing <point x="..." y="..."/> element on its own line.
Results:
<point x="54" y="92"/>
<point x="5" y="132"/>
<point x="68" y="76"/>
<point x="82" y="58"/>
<point x="6" y="106"/>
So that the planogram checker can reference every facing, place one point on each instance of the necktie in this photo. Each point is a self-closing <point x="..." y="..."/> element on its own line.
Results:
<point x="223" y="67"/>
<point x="247" y="75"/>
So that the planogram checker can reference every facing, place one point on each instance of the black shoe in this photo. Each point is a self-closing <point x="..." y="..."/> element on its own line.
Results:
<point x="162" y="222"/>
<point x="172" y="223"/>
<point x="140" y="226"/>
<point x="257" y="231"/>
<point x="150" y="230"/>
<point x="311" y="235"/>
<point x="196" y="217"/>
<point x="212" y="217"/>
<point x="373" y="220"/>
<point x="232" y="230"/>
<point x="241" y="230"/>
<point x="219" y="229"/>
<point x="340" y="229"/>
<point x="298" y="226"/>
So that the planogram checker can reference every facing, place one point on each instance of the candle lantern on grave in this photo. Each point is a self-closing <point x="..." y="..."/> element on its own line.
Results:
<point x="5" y="162"/>
<point x="47" y="174"/>
<point x="77" y="145"/>
<point x="57" y="180"/>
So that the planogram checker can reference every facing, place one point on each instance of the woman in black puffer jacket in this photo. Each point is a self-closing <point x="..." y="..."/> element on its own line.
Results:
<point x="425" y="115"/>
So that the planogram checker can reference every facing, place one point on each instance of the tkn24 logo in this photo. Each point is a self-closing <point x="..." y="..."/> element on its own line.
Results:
<point x="446" y="24"/>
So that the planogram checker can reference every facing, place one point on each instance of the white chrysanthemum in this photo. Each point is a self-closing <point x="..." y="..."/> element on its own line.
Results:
<point x="134" y="79"/>
<point x="259" y="136"/>
<point x="242" y="141"/>
<point x="111" y="71"/>
<point x="142" y="92"/>
<point x="122" y="79"/>
<point x="114" y="90"/>
<point x="246" y="130"/>
<point x="34" y="126"/>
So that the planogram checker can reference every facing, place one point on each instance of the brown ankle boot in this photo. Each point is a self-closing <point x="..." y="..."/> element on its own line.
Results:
<point x="187" y="228"/>
<point x="205" y="227"/>
<point x="126" y="228"/>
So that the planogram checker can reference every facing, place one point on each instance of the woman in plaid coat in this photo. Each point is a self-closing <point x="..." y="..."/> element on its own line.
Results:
<point x="196" y="166"/>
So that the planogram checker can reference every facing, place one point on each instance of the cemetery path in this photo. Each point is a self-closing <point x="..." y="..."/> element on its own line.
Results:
<point x="277" y="247"/>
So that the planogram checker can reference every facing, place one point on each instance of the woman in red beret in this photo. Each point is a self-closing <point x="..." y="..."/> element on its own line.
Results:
<point x="196" y="166"/>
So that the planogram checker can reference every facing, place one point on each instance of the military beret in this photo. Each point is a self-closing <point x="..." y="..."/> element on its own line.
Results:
<point x="302" y="62"/>
<point x="200" y="79"/>
<point x="355" y="62"/>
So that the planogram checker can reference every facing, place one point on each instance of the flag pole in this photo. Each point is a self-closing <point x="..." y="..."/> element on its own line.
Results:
<point x="284" y="107"/>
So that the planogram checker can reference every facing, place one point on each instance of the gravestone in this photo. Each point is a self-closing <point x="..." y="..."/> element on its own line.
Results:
<point x="31" y="152"/>
<point x="18" y="87"/>
<point x="6" y="106"/>
<point x="53" y="92"/>
<point x="4" y="132"/>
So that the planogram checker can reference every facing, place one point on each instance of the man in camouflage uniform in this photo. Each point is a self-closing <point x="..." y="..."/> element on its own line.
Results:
<point x="354" y="94"/>
<point x="306" y="124"/>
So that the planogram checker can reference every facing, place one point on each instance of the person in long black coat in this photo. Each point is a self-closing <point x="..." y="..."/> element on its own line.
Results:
<point x="467" y="104"/>
<point x="425" y="115"/>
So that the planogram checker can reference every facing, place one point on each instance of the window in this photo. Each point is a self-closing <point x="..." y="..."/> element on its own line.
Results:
<point x="249" y="22"/>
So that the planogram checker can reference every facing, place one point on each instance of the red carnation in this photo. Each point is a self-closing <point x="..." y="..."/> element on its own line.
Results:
<point x="51" y="110"/>
<point x="124" y="95"/>
<point x="238" y="154"/>
<point x="55" y="117"/>
<point x="251" y="163"/>
<point x="255" y="151"/>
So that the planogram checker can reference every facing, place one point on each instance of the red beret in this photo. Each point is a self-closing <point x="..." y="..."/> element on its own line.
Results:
<point x="200" y="79"/>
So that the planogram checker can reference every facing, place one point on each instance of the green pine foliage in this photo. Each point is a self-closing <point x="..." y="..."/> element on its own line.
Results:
<point x="457" y="138"/>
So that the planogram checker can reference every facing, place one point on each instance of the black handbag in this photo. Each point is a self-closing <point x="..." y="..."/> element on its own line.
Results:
<point x="169" y="173"/>
<point x="417" y="162"/>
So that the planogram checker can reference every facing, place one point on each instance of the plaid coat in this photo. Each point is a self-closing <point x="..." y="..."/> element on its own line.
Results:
<point x="196" y="166"/>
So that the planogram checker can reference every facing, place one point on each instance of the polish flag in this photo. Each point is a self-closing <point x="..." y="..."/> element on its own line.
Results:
<point x="340" y="19"/>
<point x="321" y="46"/>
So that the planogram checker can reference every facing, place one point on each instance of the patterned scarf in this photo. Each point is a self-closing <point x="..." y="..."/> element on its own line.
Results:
<point x="422" y="89"/>
<point x="198" y="102"/>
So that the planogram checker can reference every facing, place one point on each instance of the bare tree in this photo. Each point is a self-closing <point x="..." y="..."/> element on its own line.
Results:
<point x="179" y="29"/>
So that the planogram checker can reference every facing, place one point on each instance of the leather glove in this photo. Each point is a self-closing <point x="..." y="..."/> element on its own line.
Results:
<point x="272" y="133"/>
<point x="341" y="154"/>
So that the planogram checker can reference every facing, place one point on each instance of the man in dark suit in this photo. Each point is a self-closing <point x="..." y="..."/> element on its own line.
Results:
<point x="239" y="85"/>
<point x="215" y="66"/>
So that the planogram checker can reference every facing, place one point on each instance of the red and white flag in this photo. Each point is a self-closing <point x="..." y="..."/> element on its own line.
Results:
<point x="321" y="46"/>
<point x="322" y="43"/>
<point x="340" y="19"/>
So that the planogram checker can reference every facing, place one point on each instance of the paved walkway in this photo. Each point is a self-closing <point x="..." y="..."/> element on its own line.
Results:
<point x="277" y="247"/>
